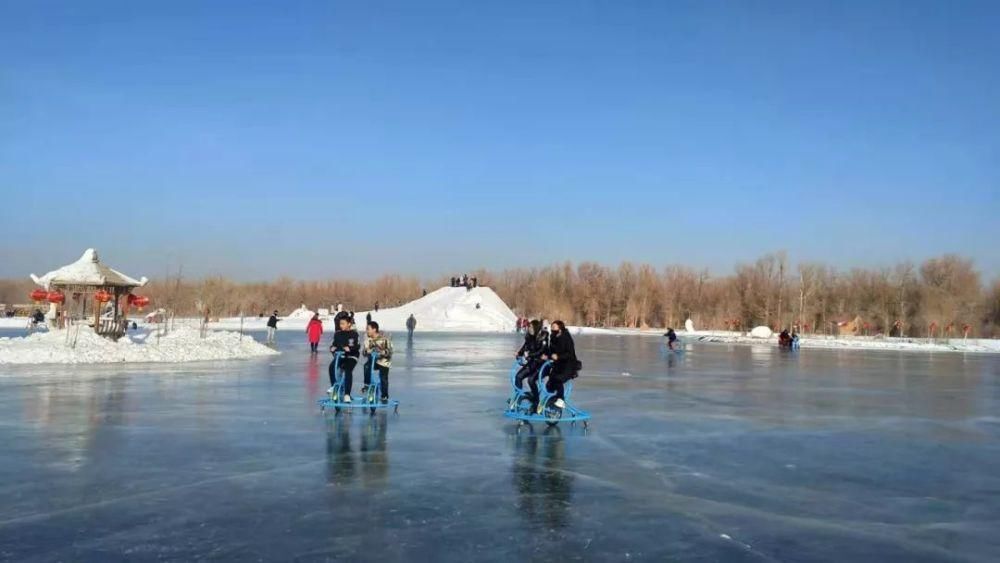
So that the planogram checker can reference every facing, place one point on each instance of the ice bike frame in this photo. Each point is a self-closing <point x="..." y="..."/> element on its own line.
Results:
<point x="519" y="404"/>
<point x="370" y="400"/>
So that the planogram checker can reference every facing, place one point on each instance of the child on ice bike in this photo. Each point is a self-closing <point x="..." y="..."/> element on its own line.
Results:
<point x="378" y="342"/>
<point x="346" y="341"/>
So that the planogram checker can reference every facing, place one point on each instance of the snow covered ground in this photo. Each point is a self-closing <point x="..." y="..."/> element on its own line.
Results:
<point x="977" y="345"/>
<point x="80" y="345"/>
<point x="449" y="309"/>
<point x="982" y="345"/>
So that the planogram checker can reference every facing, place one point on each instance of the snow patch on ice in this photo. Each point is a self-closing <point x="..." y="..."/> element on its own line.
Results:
<point x="81" y="345"/>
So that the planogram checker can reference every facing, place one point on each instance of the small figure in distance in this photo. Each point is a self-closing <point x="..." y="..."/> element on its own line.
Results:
<point x="314" y="330"/>
<point x="272" y="326"/>
<point x="784" y="339"/>
<point x="671" y="338"/>
<point x="411" y="325"/>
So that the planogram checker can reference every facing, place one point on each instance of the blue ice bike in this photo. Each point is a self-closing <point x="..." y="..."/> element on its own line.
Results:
<point x="519" y="406"/>
<point x="371" y="398"/>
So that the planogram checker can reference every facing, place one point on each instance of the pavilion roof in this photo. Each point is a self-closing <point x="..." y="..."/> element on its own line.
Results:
<point x="87" y="271"/>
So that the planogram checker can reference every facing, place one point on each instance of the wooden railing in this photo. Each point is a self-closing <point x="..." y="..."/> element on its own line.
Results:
<point x="113" y="329"/>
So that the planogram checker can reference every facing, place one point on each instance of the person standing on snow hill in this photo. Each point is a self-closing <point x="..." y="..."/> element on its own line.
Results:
<point x="565" y="366"/>
<point x="347" y="341"/>
<point x="314" y="330"/>
<point x="272" y="326"/>
<point x="378" y="342"/>
<point x="411" y="325"/>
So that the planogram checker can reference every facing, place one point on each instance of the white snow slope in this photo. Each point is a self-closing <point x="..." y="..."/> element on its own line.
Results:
<point x="181" y="345"/>
<point x="449" y="309"/>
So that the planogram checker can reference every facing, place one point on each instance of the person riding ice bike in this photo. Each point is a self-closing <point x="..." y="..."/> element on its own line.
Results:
<point x="562" y="353"/>
<point x="530" y="354"/>
<point x="347" y="343"/>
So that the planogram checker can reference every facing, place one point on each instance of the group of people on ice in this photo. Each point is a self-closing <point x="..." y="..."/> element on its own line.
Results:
<point x="540" y="345"/>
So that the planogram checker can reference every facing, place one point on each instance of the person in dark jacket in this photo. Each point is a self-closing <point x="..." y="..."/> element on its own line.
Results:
<point x="562" y="352"/>
<point x="272" y="326"/>
<point x="411" y="325"/>
<point x="347" y="341"/>
<point x="671" y="338"/>
<point x="535" y="344"/>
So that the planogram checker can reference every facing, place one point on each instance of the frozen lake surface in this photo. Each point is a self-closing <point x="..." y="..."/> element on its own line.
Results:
<point x="724" y="453"/>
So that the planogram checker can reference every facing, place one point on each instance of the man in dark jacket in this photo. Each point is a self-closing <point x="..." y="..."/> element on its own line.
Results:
<point x="346" y="341"/>
<point x="272" y="326"/>
<point x="562" y="352"/>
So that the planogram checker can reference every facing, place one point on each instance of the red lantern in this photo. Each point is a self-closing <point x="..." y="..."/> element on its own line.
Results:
<point x="39" y="295"/>
<point x="139" y="301"/>
<point x="102" y="296"/>
<point x="56" y="297"/>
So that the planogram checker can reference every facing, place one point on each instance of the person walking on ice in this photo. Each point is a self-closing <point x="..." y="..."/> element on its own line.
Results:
<point x="379" y="343"/>
<point x="411" y="325"/>
<point x="314" y="330"/>
<point x="272" y="326"/>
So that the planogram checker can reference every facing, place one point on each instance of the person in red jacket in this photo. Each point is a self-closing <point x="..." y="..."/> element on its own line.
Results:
<point x="314" y="330"/>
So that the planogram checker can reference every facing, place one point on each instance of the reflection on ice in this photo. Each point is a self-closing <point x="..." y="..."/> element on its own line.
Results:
<point x="369" y="460"/>
<point x="544" y="489"/>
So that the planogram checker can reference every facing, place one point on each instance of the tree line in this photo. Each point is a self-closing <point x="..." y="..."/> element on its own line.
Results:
<point x="941" y="296"/>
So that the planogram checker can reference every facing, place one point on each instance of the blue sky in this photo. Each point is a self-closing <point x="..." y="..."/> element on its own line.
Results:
<point x="316" y="139"/>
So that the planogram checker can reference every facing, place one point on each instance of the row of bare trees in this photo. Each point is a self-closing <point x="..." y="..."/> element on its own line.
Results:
<point x="905" y="299"/>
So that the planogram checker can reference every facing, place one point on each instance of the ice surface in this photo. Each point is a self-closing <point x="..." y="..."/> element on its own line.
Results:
<point x="727" y="453"/>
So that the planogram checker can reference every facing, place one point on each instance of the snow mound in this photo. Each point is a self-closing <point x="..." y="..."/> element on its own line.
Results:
<point x="181" y="345"/>
<point x="761" y="332"/>
<point x="302" y="312"/>
<point x="449" y="309"/>
<point x="689" y="325"/>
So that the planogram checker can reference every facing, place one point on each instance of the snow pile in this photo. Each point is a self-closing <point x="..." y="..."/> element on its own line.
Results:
<point x="302" y="313"/>
<point x="19" y="323"/>
<point x="864" y="343"/>
<point x="449" y="309"/>
<point x="689" y="325"/>
<point x="181" y="345"/>
<point x="761" y="332"/>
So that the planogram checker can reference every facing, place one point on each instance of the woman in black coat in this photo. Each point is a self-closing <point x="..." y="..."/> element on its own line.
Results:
<point x="535" y="345"/>
<point x="562" y="352"/>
